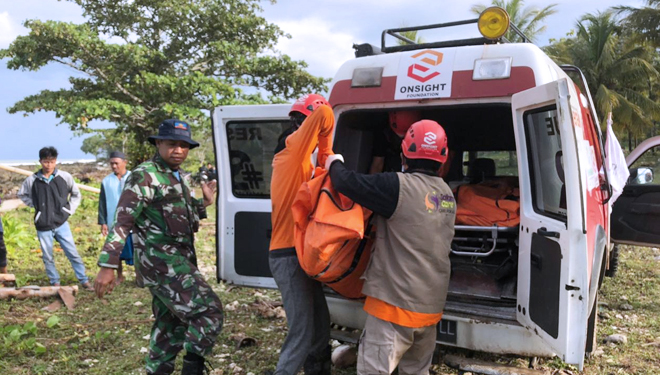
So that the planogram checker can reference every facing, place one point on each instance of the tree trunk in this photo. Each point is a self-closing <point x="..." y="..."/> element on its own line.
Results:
<point x="47" y="291"/>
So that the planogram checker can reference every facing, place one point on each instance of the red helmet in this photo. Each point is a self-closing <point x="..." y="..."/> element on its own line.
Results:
<point x="400" y="121"/>
<point x="307" y="103"/>
<point x="425" y="139"/>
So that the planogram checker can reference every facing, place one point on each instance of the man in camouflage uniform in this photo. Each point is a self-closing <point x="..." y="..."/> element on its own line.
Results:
<point x="156" y="204"/>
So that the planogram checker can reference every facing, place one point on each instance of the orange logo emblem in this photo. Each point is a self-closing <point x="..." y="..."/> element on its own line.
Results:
<point x="427" y="60"/>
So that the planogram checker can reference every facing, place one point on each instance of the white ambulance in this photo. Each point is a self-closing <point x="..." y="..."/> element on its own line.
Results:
<point x="509" y="112"/>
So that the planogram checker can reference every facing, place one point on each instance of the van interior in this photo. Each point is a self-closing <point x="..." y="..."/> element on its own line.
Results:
<point x="482" y="148"/>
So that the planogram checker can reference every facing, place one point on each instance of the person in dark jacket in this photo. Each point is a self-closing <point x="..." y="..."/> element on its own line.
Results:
<point x="407" y="278"/>
<point x="54" y="196"/>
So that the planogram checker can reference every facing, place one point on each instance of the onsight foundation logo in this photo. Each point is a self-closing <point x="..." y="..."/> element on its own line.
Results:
<point x="423" y="70"/>
<point x="429" y="138"/>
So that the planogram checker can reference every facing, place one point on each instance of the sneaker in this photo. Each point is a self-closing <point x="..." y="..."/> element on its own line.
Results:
<point x="56" y="284"/>
<point x="88" y="286"/>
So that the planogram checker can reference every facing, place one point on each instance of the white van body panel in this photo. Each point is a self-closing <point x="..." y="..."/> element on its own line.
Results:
<point x="481" y="335"/>
<point x="522" y="332"/>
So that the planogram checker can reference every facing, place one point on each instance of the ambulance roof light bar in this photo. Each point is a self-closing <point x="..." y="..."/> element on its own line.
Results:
<point x="493" y="17"/>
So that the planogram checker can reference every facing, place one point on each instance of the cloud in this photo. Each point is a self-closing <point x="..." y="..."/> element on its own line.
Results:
<point x="317" y="43"/>
<point x="9" y="30"/>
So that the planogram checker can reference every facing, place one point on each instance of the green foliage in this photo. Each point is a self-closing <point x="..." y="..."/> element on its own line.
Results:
<point x="529" y="19"/>
<point x="53" y="321"/>
<point x="19" y="339"/>
<point x="157" y="59"/>
<point x="620" y="73"/>
<point x="16" y="235"/>
<point x="643" y="22"/>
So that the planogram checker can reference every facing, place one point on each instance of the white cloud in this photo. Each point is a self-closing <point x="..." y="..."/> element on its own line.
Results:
<point x="9" y="29"/>
<point x="316" y="42"/>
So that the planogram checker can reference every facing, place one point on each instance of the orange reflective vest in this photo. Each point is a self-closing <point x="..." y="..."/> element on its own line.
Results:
<point x="329" y="236"/>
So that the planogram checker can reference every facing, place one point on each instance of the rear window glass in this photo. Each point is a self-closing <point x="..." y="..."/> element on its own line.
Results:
<point x="546" y="168"/>
<point x="251" y="150"/>
<point x="506" y="162"/>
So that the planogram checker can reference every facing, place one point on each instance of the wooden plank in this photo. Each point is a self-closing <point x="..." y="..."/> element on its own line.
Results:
<point x="487" y="368"/>
<point x="7" y="277"/>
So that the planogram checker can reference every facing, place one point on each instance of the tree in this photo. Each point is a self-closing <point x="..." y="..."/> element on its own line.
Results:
<point x="105" y="141"/>
<point x="140" y="62"/>
<point x="644" y="21"/>
<point x="619" y="72"/>
<point x="529" y="19"/>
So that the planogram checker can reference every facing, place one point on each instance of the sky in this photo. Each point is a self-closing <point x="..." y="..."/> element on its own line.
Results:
<point x="322" y="34"/>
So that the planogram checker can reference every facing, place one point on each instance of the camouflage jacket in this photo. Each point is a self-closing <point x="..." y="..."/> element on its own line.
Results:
<point x="164" y="218"/>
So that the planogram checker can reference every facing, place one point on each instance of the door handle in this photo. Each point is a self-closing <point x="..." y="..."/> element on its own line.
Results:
<point x="546" y="233"/>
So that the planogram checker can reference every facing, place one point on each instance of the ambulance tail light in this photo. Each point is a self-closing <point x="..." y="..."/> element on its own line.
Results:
<point x="497" y="68"/>
<point x="367" y="77"/>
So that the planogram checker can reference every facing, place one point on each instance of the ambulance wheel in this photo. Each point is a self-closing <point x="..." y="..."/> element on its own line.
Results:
<point x="614" y="262"/>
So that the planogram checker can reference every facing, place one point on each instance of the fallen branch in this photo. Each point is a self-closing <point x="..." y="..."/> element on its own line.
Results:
<point x="39" y="292"/>
<point x="28" y="173"/>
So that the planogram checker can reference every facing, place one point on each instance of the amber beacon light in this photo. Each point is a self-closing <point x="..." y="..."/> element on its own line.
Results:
<point x="493" y="23"/>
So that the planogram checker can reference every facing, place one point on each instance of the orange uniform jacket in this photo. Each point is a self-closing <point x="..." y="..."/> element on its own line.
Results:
<point x="292" y="166"/>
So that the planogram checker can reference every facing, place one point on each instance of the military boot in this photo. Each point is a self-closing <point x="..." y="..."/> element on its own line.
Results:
<point x="195" y="365"/>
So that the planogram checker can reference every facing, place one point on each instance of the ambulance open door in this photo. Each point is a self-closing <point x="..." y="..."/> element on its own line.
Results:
<point x="552" y="272"/>
<point x="245" y="138"/>
<point x="636" y="213"/>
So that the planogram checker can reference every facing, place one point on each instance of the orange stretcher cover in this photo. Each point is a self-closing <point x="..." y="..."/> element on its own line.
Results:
<point x="330" y="236"/>
<point x="488" y="203"/>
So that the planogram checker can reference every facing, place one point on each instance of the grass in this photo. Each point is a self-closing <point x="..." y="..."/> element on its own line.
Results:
<point x="110" y="336"/>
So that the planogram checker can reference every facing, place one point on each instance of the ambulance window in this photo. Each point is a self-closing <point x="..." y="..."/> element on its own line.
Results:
<point x="545" y="162"/>
<point x="643" y="171"/>
<point x="506" y="162"/>
<point x="251" y="150"/>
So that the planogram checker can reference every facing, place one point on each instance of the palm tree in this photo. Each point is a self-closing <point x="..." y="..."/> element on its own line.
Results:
<point x="619" y="72"/>
<point x="412" y="35"/>
<point x="528" y="19"/>
<point x="643" y="21"/>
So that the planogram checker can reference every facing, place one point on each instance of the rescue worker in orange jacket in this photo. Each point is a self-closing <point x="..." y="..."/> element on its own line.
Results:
<point x="407" y="279"/>
<point x="308" y="318"/>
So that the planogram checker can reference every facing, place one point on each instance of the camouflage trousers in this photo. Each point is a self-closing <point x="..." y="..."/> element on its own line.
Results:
<point x="188" y="316"/>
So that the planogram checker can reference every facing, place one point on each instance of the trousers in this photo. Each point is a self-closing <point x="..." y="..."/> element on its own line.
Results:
<point x="308" y="319"/>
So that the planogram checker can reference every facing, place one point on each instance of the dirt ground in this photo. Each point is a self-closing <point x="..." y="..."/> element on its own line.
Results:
<point x="111" y="336"/>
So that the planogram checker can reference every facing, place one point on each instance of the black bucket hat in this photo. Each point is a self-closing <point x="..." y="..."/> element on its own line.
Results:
<point x="176" y="130"/>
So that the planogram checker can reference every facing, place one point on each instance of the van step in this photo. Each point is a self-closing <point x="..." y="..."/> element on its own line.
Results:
<point x="476" y="366"/>
<point x="345" y="336"/>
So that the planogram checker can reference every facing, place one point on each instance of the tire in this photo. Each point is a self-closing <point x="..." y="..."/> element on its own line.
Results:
<point x="614" y="262"/>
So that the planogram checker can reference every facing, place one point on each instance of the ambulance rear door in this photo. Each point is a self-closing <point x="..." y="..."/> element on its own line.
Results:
<point x="552" y="271"/>
<point x="245" y="138"/>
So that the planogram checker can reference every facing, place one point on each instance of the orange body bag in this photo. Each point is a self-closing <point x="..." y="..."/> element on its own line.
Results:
<point x="488" y="204"/>
<point x="330" y="238"/>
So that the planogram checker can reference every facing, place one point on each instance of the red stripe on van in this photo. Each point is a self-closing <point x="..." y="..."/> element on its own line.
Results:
<point x="462" y="86"/>
<point x="343" y="93"/>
